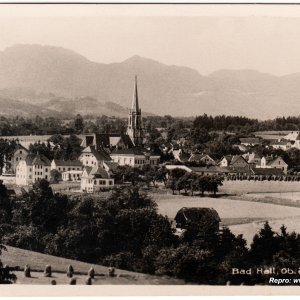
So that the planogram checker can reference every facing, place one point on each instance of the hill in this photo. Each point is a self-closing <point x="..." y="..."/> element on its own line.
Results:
<point x="37" y="262"/>
<point x="45" y="74"/>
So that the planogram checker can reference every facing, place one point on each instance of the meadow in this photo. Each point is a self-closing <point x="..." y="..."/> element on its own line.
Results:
<point x="15" y="257"/>
<point x="245" y="186"/>
<point x="241" y="216"/>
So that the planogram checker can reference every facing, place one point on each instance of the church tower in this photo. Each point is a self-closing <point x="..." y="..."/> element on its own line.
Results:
<point x="134" y="129"/>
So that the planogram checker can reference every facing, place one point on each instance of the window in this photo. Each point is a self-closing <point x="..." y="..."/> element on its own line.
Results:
<point x="17" y="158"/>
<point x="110" y="182"/>
<point x="95" y="182"/>
<point x="20" y="151"/>
<point x="46" y="177"/>
<point x="46" y="170"/>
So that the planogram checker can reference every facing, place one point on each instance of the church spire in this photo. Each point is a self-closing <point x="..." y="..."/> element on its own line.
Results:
<point x="135" y="99"/>
<point x="134" y="129"/>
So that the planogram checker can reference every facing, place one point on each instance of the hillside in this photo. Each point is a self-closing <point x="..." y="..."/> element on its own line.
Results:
<point x="44" y="74"/>
<point x="37" y="262"/>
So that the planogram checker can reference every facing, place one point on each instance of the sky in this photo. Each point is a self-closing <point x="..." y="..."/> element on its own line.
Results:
<point x="205" y="38"/>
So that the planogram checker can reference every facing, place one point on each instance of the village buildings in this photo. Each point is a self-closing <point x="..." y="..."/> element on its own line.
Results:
<point x="32" y="168"/>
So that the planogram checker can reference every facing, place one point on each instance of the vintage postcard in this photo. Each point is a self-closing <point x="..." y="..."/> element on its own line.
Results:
<point x="149" y="149"/>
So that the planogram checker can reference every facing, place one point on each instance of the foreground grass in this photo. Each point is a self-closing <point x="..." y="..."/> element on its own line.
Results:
<point x="15" y="257"/>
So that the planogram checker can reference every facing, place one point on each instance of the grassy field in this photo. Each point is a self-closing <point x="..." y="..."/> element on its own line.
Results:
<point x="37" y="261"/>
<point x="245" y="186"/>
<point x="169" y="204"/>
<point x="242" y="217"/>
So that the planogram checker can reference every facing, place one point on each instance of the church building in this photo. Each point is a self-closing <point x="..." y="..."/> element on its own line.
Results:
<point x="135" y="129"/>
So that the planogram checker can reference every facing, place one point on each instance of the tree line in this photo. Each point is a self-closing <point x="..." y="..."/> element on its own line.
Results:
<point x="125" y="231"/>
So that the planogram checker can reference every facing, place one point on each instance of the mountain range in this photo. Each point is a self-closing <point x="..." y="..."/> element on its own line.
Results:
<point x="48" y="80"/>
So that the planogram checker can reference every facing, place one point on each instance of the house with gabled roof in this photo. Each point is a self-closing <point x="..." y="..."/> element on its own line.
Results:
<point x="233" y="161"/>
<point x="274" y="162"/>
<point x="33" y="168"/>
<point x="11" y="161"/>
<point x="91" y="157"/>
<point x="282" y="144"/>
<point x="95" y="179"/>
<point x="202" y="158"/>
<point x="225" y="161"/>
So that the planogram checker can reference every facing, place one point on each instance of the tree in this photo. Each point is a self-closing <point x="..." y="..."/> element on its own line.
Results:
<point x="6" y="277"/>
<point x="265" y="244"/>
<point x="55" y="176"/>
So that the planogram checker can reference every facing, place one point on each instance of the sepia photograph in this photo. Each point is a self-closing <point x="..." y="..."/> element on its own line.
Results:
<point x="150" y="145"/>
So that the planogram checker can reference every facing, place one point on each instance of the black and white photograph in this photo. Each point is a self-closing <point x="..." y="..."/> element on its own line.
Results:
<point x="150" y="144"/>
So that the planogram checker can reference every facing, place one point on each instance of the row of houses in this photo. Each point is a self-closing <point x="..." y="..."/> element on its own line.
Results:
<point x="94" y="168"/>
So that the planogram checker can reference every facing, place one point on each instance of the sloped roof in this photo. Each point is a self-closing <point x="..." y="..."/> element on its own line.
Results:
<point x="211" y="169"/>
<point x="250" y="140"/>
<point x="67" y="163"/>
<point x="244" y="170"/>
<point x="236" y="158"/>
<point x="102" y="140"/>
<point x="281" y="142"/>
<point x="111" y="165"/>
<point x="100" y="155"/>
<point x="37" y="159"/>
<point x="272" y="161"/>
<point x="133" y="151"/>
<point x="268" y="171"/>
<point x="99" y="172"/>
<point x="20" y="147"/>
<point x="228" y="158"/>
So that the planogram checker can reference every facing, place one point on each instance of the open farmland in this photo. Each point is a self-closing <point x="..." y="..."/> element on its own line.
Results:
<point x="250" y="215"/>
<point x="245" y="186"/>
<point x="37" y="261"/>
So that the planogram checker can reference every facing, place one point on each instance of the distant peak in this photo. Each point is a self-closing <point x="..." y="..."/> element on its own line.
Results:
<point x="140" y="59"/>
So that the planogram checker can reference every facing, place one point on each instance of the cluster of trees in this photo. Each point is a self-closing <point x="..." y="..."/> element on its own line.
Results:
<point x="177" y="179"/>
<point x="125" y="231"/>
<point x="190" y="182"/>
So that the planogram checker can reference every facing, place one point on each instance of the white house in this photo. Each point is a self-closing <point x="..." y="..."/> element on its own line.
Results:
<point x="135" y="157"/>
<point x="276" y="163"/>
<point x="66" y="165"/>
<point x="91" y="157"/>
<point x="94" y="179"/>
<point x="282" y="144"/>
<point x="32" y="169"/>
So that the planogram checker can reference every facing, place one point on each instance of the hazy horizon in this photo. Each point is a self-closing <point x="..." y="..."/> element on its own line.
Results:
<point x="268" y="44"/>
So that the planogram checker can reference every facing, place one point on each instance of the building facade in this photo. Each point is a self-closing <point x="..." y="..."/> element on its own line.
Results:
<point x="32" y="169"/>
<point x="95" y="179"/>
<point x="135" y="157"/>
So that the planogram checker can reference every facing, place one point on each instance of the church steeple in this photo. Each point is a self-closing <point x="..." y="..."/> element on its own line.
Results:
<point x="135" y="99"/>
<point x="134" y="129"/>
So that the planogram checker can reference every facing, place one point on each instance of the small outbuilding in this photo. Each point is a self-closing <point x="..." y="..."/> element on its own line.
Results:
<point x="198" y="217"/>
